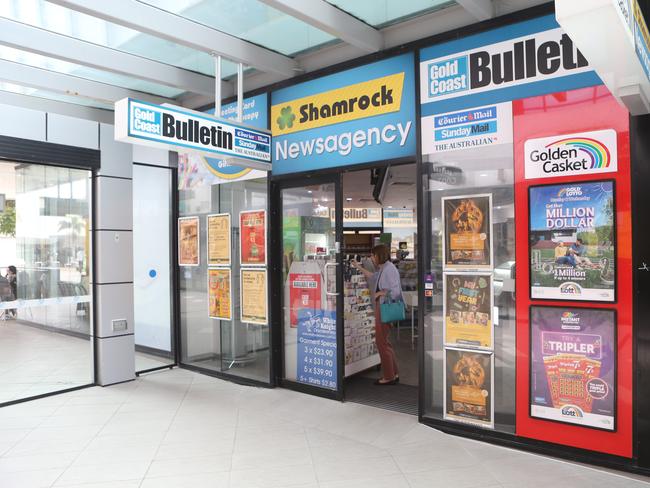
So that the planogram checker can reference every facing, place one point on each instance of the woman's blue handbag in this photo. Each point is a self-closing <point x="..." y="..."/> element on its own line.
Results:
<point x="392" y="310"/>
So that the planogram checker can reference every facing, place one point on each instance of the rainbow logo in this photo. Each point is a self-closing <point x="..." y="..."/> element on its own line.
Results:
<point x="596" y="151"/>
<point x="569" y="315"/>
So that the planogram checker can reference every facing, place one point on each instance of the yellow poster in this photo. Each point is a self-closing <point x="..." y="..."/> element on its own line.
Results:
<point x="468" y="310"/>
<point x="253" y="296"/>
<point x="188" y="241"/>
<point x="219" y="294"/>
<point x="219" y="240"/>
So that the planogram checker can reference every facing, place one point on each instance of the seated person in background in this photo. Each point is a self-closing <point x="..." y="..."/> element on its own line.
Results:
<point x="562" y="256"/>
<point x="578" y="250"/>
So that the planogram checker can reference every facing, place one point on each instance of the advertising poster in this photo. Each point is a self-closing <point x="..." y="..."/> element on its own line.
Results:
<point x="253" y="296"/>
<point x="468" y="387"/>
<point x="188" y="241"/>
<point x="572" y="241"/>
<point x="252" y="228"/>
<point x="219" y="294"/>
<point x="573" y="365"/>
<point x="467" y="224"/>
<point x="468" y="310"/>
<point x="304" y="293"/>
<point x="317" y="348"/>
<point x="219" y="240"/>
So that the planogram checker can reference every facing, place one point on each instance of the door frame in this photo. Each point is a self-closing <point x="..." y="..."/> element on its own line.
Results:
<point x="276" y="284"/>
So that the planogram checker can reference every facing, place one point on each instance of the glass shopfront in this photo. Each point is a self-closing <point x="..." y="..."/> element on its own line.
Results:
<point x="45" y="291"/>
<point x="222" y="258"/>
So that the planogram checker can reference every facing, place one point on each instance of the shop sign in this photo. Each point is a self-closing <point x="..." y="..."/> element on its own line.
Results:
<point x="571" y="154"/>
<point x="515" y="62"/>
<point x="359" y="217"/>
<point x="399" y="218"/>
<point x="359" y="115"/>
<point x="573" y="366"/>
<point x="641" y="39"/>
<point x="467" y="129"/>
<point x="177" y="129"/>
<point x="196" y="169"/>
<point x="572" y="234"/>
<point x="476" y="74"/>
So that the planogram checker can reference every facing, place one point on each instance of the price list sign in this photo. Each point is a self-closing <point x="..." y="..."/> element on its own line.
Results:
<point x="317" y="348"/>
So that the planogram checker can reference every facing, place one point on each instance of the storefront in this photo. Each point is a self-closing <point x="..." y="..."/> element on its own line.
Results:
<point x="516" y="229"/>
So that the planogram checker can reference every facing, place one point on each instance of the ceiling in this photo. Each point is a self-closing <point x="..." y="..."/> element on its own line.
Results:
<point x="90" y="53"/>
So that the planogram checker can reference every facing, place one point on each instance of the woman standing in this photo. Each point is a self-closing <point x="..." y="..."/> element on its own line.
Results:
<point x="385" y="281"/>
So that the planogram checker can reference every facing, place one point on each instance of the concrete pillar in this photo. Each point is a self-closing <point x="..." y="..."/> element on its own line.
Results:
<point x="112" y="235"/>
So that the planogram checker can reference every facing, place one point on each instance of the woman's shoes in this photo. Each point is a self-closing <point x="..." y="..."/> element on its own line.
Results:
<point x="382" y="382"/>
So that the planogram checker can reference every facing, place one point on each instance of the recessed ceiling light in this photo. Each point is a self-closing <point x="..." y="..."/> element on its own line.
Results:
<point x="348" y="199"/>
<point x="483" y="174"/>
<point x="390" y="206"/>
<point x="310" y="192"/>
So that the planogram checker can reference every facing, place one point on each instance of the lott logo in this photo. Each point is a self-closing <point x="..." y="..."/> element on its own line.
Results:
<point x="570" y="289"/>
<point x="573" y="154"/>
<point x="572" y="411"/>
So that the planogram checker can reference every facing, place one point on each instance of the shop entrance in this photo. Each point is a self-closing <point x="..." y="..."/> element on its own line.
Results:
<point x="327" y="338"/>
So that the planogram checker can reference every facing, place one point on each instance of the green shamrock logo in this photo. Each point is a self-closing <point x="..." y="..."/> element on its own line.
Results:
<point x="286" y="118"/>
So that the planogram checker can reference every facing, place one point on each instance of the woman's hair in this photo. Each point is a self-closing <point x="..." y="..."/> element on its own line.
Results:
<point x="382" y="253"/>
<point x="13" y="269"/>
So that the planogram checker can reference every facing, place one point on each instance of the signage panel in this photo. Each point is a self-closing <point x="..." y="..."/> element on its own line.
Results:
<point x="178" y="129"/>
<point x="359" y="115"/>
<point x="583" y="153"/>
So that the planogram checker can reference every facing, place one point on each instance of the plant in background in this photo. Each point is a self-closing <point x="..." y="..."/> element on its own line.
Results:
<point x="8" y="219"/>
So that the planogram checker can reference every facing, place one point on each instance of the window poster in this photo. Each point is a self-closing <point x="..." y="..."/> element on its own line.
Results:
<point x="468" y="387"/>
<point x="219" y="293"/>
<point x="317" y="347"/>
<point x="304" y="292"/>
<point x="253" y="296"/>
<point x="468" y="310"/>
<point x="252" y="228"/>
<point x="572" y="241"/>
<point x="467" y="224"/>
<point x="573" y="365"/>
<point x="219" y="240"/>
<point x="188" y="241"/>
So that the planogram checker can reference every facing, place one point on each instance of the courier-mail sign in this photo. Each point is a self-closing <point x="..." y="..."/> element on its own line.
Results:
<point x="176" y="129"/>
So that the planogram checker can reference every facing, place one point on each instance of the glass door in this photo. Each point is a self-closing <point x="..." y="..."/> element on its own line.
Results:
<point x="311" y="311"/>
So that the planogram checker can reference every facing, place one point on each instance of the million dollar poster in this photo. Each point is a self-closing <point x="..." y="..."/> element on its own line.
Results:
<point x="252" y="228"/>
<point x="572" y="241"/>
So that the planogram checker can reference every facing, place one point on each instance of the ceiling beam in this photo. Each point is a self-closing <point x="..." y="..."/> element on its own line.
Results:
<point x="51" y="44"/>
<point x="22" y="74"/>
<point x="177" y="29"/>
<point x="332" y="20"/>
<point x="480" y="9"/>
<point x="36" y="102"/>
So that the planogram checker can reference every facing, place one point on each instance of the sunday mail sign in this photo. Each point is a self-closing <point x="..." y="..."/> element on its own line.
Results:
<point x="182" y="130"/>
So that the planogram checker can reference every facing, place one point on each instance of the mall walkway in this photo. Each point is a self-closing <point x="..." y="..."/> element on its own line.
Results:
<point x="180" y="429"/>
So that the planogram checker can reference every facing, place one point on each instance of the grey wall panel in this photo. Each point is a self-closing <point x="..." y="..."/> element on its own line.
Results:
<point x="62" y="129"/>
<point x="114" y="200"/>
<point x="114" y="303"/>
<point x="116" y="156"/>
<point x="115" y="359"/>
<point x="22" y="122"/>
<point x="114" y="259"/>
<point x="150" y="155"/>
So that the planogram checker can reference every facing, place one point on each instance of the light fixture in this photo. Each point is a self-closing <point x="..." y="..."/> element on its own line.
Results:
<point x="368" y="232"/>
<point x="310" y="192"/>
<point x="483" y="175"/>
<point x="324" y="199"/>
<point x="390" y="206"/>
<point x="348" y="199"/>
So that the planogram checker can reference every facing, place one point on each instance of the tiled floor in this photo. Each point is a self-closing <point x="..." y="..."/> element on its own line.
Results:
<point x="181" y="429"/>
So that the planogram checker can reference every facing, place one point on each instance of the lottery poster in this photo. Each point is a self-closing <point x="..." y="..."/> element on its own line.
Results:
<point x="572" y="241"/>
<point x="219" y="294"/>
<point x="573" y="365"/>
<point x="469" y="387"/>
<point x="252" y="228"/>
<point x="468" y="310"/>
<point x="188" y="241"/>
<point x="253" y="296"/>
<point x="219" y="240"/>
<point x="467" y="224"/>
